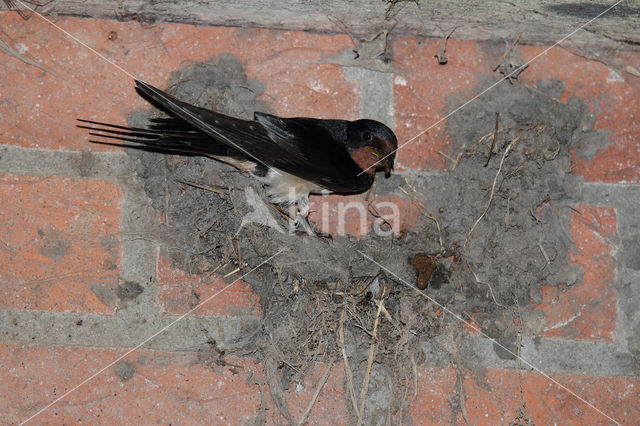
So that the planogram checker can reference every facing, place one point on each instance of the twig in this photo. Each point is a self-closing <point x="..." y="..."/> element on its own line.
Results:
<point x="206" y="188"/>
<point x="544" y="254"/>
<point x="461" y="152"/>
<point x="231" y="273"/>
<point x="347" y="369"/>
<point x="455" y="163"/>
<point x="442" y="54"/>
<point x="484" y="137"/>
<point x="373" y="211"/>
<point x="536" y="217"/>
<point x="372" y="349"/>
<point x="405" y="397"/>
<point x="368" y="282"/>
<point x="318" y="389"/>
<point x="235" y="245"/>
<point x="387" y="315"/>
<point x="392" y="4"/>
<point x="361" y="327"/>
<point x="280" y="211"/>
<point x="424" y="208"/>
<point x="446" y="156"/>
<point x="487" y="284"/>
<point x="506" y="53"/>
<point x="261" y="418"/>
<point x="493" y="143"/>
<point x="366" y="197"/>
<point x="275" y="385"/>
<point x="6" y="48"/>
<point x="495" y="179"/>
<point x="213" y="271"/>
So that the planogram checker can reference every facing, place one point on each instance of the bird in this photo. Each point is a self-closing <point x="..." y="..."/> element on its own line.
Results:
<point x="293" y="157"/>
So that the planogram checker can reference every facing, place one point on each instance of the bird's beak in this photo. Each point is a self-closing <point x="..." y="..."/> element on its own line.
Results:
<point x="388" y="166"/>
<point x="386" y="161"/>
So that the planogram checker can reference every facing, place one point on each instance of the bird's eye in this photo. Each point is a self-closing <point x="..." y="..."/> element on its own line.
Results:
<point x="367" y="136"/>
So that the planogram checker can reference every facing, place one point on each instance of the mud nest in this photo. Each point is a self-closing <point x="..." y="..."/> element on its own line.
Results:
<point x="494" y="224"/>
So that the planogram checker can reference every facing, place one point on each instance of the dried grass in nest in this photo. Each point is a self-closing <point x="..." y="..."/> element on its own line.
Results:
<point x="383" y="328"/>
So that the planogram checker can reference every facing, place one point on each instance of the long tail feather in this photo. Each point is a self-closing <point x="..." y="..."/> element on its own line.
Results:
<point x="163" y="134"/>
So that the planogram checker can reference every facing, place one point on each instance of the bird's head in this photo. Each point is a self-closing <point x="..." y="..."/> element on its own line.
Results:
<point x="372" y="146"/>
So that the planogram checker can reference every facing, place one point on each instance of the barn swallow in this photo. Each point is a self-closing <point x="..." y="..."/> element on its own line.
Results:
<point x="294" y="157"/>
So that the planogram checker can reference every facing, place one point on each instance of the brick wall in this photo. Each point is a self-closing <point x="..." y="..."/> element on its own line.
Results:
<point x="77" y="234"/>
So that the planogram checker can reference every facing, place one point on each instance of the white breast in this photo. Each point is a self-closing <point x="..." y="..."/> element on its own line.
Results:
<point x="287" y="188"/>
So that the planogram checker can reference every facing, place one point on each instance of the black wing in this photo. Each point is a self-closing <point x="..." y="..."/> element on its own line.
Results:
<point x="308" y="148"/>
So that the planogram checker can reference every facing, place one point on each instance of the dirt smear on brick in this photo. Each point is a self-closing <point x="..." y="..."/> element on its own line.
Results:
<point x="324" y="299"/>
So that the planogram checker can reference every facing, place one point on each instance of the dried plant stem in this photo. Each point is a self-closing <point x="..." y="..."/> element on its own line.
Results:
<point x="487" y="284"/>
<point x="347" y="369"/>
<point x="495" y="179"/>
<point x="231" y="273"/>
<point x="420" y="204"/>
<point x="318" y="390"/>
<point x="493" y="142"/>
<point x="506" y="53"/>
<point x="206" y="188"/>
<point x="372" y="349"/>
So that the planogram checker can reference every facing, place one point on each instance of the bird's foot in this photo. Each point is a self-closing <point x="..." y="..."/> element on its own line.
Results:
<point x="304" y="226"/>
<point x="300" y="225"/>
<point x="303" y="206"/>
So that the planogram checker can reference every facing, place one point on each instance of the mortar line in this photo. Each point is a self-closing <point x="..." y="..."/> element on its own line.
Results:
<point x="181" y="317"/>
<point x="147" y="275"/>
<point x="378" y="109"/>
<point x="494" y="341"/>
<point x="409" y="141"/>
<point x="517" y="70"/>
<point x="21" y="160"/>
<point x="584" y="351"/>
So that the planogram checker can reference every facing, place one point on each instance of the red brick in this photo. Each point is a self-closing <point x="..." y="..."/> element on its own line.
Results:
<point x="291" y="64"/>
<point x="431" y="405"/>
<point x="180" y="292"/>
<point x="421" y="90"/>
<point x="40" y="109"/>
<point x="60" y="243"/>
<point x="615" y="103"/>
<point x="586" y="310"/>
<point x="168" y="388"/>
<point x="495" y="398"/>
<point x="299" y="81"/>
<point x="353" y="215"/>
<point x="330" y="408"/>
<point x="151" y="386"/>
